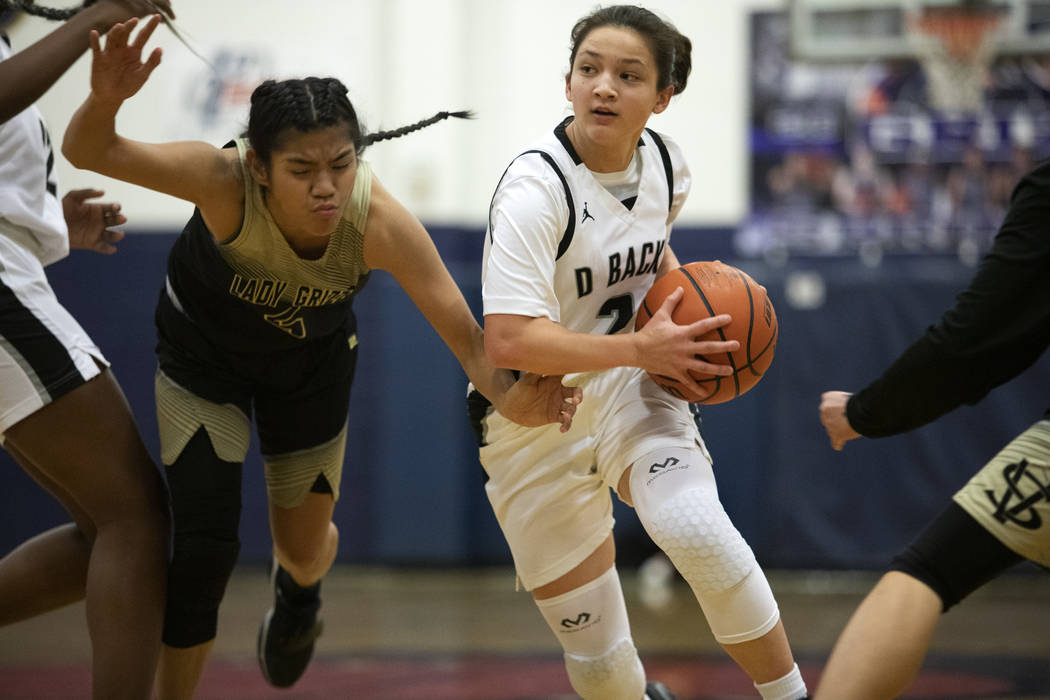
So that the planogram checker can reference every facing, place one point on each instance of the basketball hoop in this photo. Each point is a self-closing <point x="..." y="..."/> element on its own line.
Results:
<point x="955" y="44"/>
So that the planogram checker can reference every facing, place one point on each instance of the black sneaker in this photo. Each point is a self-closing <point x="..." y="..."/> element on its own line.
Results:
<point x="655" y="690"/>
<point x="289" y="630"/>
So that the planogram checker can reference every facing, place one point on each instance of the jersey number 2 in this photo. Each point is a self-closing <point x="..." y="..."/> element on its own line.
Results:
<point x="621" y="309"/>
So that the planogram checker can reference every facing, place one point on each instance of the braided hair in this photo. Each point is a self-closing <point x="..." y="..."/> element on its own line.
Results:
<point x="308" y="104"/>
<point x="51" y="13"/>
<point x="671" y="49"/>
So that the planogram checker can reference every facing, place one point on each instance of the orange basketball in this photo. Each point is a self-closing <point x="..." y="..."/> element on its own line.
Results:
<point x="713" y="288"/>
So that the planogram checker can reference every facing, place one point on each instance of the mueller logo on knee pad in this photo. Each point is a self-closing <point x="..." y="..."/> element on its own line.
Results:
<point x="581" y="621"/>
<point x="670" y="464"/>
<point x="1022" y="512"/>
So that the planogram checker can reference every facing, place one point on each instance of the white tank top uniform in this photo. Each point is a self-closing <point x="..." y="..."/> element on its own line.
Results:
<point x="44" y="353"/>
<point x="582" y="249"/>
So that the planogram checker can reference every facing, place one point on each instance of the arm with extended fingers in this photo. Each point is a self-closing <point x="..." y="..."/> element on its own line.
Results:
<point x="191" y="170"/>
<point x="30" y="73"/>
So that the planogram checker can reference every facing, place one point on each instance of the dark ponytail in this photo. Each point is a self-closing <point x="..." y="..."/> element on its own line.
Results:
<point x="671" y="49"/>
<point x="307" y="104"/>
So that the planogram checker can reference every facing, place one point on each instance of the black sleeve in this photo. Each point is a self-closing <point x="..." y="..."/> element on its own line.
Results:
<point x="998" y="327"/>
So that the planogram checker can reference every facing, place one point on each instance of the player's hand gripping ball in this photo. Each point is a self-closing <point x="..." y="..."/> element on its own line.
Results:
<point x="712" y="288"/>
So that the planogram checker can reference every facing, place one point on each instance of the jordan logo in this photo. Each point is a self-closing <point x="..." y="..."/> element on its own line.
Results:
<point x="586" y="214"/>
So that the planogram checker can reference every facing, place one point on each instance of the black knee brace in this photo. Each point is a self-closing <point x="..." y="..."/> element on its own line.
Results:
<point x="955" y="556"/>
<point x="206" y="510"/>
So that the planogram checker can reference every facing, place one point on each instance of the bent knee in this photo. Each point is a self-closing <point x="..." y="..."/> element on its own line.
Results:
<point x="307" y="554"/>
<point x="696" y="533"/>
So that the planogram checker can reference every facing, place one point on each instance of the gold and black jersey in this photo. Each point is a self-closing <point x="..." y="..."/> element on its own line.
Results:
<point x="252" y="292"/>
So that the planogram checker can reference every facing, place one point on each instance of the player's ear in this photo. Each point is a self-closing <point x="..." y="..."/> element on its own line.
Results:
<point x="568" y="91"/>
<point x="257" y="168"/>
<point x="663" y="98"/>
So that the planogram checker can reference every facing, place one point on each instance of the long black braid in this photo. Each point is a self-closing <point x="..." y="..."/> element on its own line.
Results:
<point x="306" y="104"/>
<point x="422" y="124"/>
<point x="51" y="13"/>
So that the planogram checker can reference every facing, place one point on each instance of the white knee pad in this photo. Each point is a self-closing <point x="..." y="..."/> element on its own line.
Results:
<point x="676" y="499"/>
<point x="591" y="625"/>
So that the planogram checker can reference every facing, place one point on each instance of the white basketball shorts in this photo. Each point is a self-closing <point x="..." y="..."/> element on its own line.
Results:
<point x="550" y="490"/>
<point x="44" y="353"/>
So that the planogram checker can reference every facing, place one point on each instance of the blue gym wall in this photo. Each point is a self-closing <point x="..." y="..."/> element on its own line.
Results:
<point x="412" y="486"/>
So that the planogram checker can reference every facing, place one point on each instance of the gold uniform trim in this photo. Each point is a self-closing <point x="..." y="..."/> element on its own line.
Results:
<point x="181" y="413"/>
<point x="259" y="251"/>
<point x="289" y="476"/>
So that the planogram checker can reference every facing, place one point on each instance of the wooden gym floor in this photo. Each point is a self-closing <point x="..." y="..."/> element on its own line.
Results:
<point x="423" y="634"/>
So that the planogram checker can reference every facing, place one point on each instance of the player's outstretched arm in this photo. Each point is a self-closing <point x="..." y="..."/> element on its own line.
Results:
<point x="191" y="170"/>
<point x="31" y="72"/>
<point x="395" y="241"/>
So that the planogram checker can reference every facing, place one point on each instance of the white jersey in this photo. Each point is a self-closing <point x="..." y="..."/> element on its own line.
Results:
<point x="44" y="353"/>
<point x="28" y="186"/>
<point x="561" y="246"/>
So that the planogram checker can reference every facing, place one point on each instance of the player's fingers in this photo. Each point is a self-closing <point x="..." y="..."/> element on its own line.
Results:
<point x="111" y="219"/>
<point x="693" y="387"/>
<point x="153" y="61"/>
<point x="711" y="347"/>
<point x="706" y="325"/>
<point x="701" y="366"/>
<point x="143" y="36"/>
<point x="117" y="36"/>
<point x="86" y="193"/>
<point x="95" y="43"/>
<point x="671" y="302"/>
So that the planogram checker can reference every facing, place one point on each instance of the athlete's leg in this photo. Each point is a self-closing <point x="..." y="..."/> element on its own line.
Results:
<point x="49" y="570"/>
<point x="86" y="443"/>
<point x="301" y="415"/>
<point x="305" y="538"/>
<point x="203" y="445"/>
<point x="674" y="493"/>
<point x="883" y="646"/>
<point x="302" y="488"/>
<point x="586" y="611"/>
<point x="206" y="508"/>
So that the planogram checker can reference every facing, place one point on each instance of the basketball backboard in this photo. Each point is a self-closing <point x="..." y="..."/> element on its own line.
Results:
<point x="830" y="30"/>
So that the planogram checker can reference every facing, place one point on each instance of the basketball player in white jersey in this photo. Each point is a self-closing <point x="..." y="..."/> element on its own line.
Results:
<point x="63" y="416"/>
<point x="578" y="231"/>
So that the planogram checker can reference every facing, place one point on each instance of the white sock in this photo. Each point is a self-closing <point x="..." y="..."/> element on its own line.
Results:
<point x="788" y="687"/>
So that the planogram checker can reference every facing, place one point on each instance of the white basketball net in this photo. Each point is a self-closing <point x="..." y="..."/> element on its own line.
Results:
<point x="955" y="53"/>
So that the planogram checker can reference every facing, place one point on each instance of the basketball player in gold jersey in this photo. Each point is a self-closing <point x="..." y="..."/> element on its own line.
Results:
<point x="255" y="315"/>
